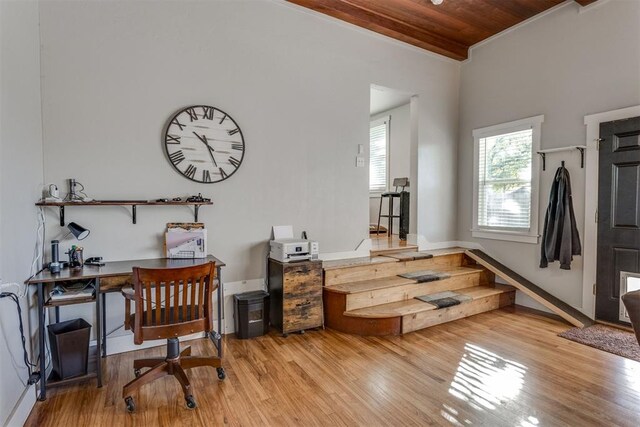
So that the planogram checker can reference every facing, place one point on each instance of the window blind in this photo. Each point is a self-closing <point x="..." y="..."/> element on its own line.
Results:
<point x="504" y="181"/>
<point x="378" y="158"/>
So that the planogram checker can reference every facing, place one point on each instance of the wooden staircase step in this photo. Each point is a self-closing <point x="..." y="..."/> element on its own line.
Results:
<point x="414" y="306"/>
<point x="390" y="244"/>
<point x="411" y="255"/>
<point x="483" y="300"/>
<point x="385" y="290"/>
<point x="375" y="270"/>
<point x="355" y="262"/>
<point x="393" y="281"/>
<point x="392" y="250"/>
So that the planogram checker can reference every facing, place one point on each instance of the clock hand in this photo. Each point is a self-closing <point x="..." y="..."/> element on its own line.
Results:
<point x="203" y="139"/>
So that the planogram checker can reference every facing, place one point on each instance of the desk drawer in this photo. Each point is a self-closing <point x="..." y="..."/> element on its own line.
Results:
<point x="303" y="282"/>
<point x="302" y="313"/>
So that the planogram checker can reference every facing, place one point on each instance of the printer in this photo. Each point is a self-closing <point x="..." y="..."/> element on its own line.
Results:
<point x="287" y="250"/>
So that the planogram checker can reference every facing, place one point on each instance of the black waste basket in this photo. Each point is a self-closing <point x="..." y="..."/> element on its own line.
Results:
<point x="69" y="343"/>
<point x="251" y="314"/>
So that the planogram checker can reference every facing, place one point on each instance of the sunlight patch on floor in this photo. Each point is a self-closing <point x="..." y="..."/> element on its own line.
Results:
<point x="633" y="379"/>
<point x="485" y="381"/>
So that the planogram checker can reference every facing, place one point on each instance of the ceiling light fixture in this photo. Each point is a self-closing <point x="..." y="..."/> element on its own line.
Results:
<point x="437" y="2"/>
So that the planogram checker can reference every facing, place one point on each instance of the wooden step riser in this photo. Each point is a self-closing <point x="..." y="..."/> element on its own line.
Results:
<point x="405" y="292"/>
<point x="334" y="318"/>
<point x="376" y="271"/>
<point x="426" y="319"/>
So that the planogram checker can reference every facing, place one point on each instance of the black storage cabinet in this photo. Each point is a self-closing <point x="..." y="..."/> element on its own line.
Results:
<point x="69" y="343"/>
<point x="251" y="314"/>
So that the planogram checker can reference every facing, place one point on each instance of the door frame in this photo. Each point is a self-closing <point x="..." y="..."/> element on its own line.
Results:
<point x="590" y="247"/>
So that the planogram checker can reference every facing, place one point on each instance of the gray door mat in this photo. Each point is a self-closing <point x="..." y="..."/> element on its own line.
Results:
<point x="425" y="276"/>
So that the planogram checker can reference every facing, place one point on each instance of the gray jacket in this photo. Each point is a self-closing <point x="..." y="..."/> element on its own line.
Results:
<point x="560" y="239"/>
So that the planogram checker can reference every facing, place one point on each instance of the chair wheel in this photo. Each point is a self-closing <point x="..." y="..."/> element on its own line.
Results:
<point x="131" y="407"/>
<point x="221" y="374"/>
<point x="191" y="403"/>
<point x="136" y="372"/>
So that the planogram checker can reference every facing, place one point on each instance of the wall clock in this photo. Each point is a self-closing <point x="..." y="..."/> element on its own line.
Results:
<point x="204" y="144"/>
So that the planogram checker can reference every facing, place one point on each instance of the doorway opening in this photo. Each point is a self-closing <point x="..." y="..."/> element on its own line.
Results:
<point x="392" y="167"/>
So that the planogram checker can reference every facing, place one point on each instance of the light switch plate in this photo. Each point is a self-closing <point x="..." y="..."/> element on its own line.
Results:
<point x="359" y="162"/>
<point x="360" y="148"/>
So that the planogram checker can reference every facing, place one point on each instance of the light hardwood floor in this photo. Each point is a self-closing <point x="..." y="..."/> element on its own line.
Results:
<point x="505" y="367"/>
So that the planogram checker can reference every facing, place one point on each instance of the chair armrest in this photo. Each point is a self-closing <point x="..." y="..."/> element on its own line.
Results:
<point x="128" y="293"/>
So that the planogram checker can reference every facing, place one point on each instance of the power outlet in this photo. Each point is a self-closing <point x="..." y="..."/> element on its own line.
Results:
<point x="359" y="162"/>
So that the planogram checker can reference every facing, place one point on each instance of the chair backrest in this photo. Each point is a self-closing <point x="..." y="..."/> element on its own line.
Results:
<point x="172" y="302"/>
<point x="400" y="182"/>
<point x="631" y="302"/>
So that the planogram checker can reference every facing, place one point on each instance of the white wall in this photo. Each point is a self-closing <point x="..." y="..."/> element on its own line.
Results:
<point x="20" y="183"/>
<point x="399" y="157"/>
<point x="565" y="65"/>
<point x="295" y="81"/>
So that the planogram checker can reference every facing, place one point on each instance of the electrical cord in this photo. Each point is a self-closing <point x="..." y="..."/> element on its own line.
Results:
<point x="25" y="355"/>
<point x="75" y="197"/>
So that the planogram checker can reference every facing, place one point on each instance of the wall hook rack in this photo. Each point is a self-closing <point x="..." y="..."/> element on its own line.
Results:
<point x="543" y="154"/>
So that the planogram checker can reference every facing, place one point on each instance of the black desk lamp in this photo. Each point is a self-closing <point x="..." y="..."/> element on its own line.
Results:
<point x="78" y="231"/>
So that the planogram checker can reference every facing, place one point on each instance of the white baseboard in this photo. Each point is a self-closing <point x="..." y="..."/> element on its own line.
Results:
<point x="123" y="343"/>
<point x="425" y="245"/>
<point x="21" y="411"/>
<point x="363" y="249"/>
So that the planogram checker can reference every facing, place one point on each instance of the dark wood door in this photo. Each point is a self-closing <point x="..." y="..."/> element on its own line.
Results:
<point x="618" y="212"/>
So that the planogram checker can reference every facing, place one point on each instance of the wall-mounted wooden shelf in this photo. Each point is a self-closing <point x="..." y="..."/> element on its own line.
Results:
<point x="132" y="203"/>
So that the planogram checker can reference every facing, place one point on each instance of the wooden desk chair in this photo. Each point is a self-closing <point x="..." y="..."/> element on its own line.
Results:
<point x="631" y="301"/>
<point x="170" y="302"/>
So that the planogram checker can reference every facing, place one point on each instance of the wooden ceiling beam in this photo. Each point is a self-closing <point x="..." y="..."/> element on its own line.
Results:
<point x="387" y="25"/>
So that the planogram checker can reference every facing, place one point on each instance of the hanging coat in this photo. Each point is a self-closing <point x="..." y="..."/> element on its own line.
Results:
<point x="560" y="239"/>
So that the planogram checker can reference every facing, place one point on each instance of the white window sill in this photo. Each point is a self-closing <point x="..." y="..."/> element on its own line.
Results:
<point x="506" y="235"/>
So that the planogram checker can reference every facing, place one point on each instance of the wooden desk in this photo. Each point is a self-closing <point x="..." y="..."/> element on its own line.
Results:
<point x="109" y="278"/>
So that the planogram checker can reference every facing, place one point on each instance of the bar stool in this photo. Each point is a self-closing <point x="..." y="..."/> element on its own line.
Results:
<point x="391" y="195"/>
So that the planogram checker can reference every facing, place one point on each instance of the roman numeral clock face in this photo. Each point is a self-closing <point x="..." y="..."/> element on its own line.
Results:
<point x="204" y="144"/>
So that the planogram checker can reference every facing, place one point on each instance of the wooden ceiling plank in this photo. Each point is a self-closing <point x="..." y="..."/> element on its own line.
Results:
<point x="430" y="18"/>
<point x="520" y="11"/>
<point x="448" y="29"/>
<point x="468" y="17"/>
<point x="388" y="26"/>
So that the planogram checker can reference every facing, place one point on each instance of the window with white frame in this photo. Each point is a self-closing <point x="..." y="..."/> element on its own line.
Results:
<point x="379" y="156"/>
<point x="506" y="181"/>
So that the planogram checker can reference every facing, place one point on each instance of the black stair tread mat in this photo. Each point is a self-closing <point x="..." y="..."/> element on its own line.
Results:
<point x="445" y="299"/>
<point x="425" y="276"/>
<point x="533" y="287"/>
<point x="410" y="256"/>
<point x="444" y="302"/>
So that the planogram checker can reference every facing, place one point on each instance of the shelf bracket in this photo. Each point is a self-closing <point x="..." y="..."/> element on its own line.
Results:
<point x="133" y="213"/>
<point x="61" y="216"/>
<point x="544" y="161"/>
<point x="195" y="213"/>
<point x="581" y="149"/>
